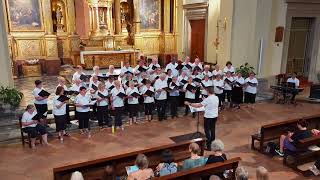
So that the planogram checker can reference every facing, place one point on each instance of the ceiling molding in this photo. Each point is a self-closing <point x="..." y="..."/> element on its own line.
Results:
<point x="304" y="1"/>
<point x="203" y="5"/>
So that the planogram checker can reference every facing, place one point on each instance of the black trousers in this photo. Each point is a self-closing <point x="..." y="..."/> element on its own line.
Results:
<point x="161" y="108"/>
<point x="118" y="111"/>
<point x="133" y="110"/>
<point x="237" y="95"/>
<point x="34" y="131"/>
<point x="186" y="111"/>
<point x="227" y="93"/>
<point x="60" y="122"/>
<point x="102" y="115"/>
<point x="41" y="108"/>
<point x="220" y="97"/>
<point x="249" y="98"/>
<point x="148" y="108"/>
<point x="83" y="118"/>
<point x="68" y="113"/>
<point x="210" y="130"/>
<point x="174" y="103"/>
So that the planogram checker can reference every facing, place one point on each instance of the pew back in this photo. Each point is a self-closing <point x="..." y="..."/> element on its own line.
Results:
<point x="95" y="169"/>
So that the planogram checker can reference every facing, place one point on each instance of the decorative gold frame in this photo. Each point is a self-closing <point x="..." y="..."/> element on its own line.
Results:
<point x="160" y="19"/>
<point x="25" y="30"/>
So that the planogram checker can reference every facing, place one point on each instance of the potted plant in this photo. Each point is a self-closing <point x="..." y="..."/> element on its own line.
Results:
<point x="10" y="98"/>
<point x="245" y="70"/>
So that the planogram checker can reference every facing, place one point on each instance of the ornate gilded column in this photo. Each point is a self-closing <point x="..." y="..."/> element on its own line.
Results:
<point x="71" y="25"/>
<point x="96" y="11"/>
<point x="137" y="16"/>
<point x="117" y="16"/>
<point x="47" y="15"/>
<point x="109" y="17"/>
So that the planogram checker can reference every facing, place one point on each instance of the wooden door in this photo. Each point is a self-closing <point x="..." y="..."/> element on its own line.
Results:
<point x="197" y="39"/>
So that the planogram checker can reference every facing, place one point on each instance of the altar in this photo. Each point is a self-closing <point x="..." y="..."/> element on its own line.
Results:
<point x="105" y="58"/>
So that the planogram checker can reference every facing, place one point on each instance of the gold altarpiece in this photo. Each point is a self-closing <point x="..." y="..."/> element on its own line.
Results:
<point x="147" y="27"/>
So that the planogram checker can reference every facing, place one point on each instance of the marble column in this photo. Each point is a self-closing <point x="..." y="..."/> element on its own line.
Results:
<point x="137" y="16"/>
<point x="47" y="15"/>
<point x="5" y="62"/>
<point x="117" y="16"/>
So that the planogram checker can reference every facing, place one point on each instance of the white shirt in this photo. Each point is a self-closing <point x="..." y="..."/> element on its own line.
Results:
<point x="226" y="69"/>
<point x="150" y="70"/>
<point x="189" y="94"/>
<point x="209" y="74"/>
<point x="125" y="69"/>
<point x="239" y="80"/>
<point x="219" y="83"/>
<point x="199" y="65"/>
<point x="136" y="69"/>
<point x="250" y="89"/>
<point x="206" y="84"/>
<point x="226" y="85"/>
<point x="109" y="84"/>
<point x="116" y="100"/>
<point x="211" y="104"/>
<point x="171" y="66"/>
<point x="27" y="117"/>
<point x="295" y="81"/>
<point x="75" y="87"/>
<point x="180" y="78"/>
<point x="58" y="111"/>
<point x="35" y="93"/>
<point x="83" y="100"/>
<point x="93" y="83"/>
<point x="104" y="102"/>
<point x="132" y="100"/>
<point x="215" y="72"/>
<point x="159" y="84"/>
<point x="147" y="99"/>
<point x="76" y="76"/>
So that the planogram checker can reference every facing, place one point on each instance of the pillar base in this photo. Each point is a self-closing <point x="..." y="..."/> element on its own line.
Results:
<point x="52" y="67"/>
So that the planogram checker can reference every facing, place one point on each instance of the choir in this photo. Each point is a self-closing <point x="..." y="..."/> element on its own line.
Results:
<point x="146" y="87"/>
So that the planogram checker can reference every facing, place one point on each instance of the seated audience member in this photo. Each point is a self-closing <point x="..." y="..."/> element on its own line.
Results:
<point x="242" y="173"/>
<point x="262" y="173"/>
<point x="297" y="135"/>
<point x="168" y="166"/>
<point x="214" y="177"/>
<point x="109" y="173"/>
<point x="285" y="142"/>
<point x="315" y="169"/>
<point x="32" y="127"/>
<point x="195" y="160"/>
<point x="144" y="172"/>
<point x="217" y="147"/>
<point x="76" y="176"/>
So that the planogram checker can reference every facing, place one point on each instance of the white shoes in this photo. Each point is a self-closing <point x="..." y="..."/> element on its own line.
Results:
<point x="314" y="170"/>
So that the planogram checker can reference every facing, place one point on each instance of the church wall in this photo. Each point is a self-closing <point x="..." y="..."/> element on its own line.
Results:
<point x="213" y="15"/>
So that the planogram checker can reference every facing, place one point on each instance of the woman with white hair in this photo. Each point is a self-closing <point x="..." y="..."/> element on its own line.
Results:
<point x="217" y="148"/>
<point x="76" y="176"/>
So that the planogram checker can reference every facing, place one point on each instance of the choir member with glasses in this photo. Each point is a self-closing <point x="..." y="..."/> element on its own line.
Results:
<point x="59" y="112"/>
<point x="133" y="102"/>
<point x="229" y="68"/>
<point x="160" y="86"/>
<point x="82" y="103"/>
<point x="117" y="103"/>
<point x="31" y="126"/>
<point x="102" y="97"/>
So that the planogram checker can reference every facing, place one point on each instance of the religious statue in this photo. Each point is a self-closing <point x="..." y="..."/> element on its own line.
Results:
<point x="59" y="15"/>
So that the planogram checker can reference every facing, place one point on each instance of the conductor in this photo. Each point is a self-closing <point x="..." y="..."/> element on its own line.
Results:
<point x="211" y="105"/>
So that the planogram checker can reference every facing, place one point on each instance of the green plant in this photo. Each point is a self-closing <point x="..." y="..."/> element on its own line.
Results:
<point x="245" y="70"/>
<point x="10" y="96"/>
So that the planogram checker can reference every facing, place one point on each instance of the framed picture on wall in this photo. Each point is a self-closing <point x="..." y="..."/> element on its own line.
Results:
<point x="150" y="15"/>
<point x="24" y="15"/>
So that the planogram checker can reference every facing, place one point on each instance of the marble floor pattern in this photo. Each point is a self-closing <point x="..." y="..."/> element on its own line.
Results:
<point x="233" y="127"/>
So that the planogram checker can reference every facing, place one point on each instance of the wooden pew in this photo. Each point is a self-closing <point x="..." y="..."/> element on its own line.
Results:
<point x="205" y="171"/>
<point x="304" y="155"/>
<point x="94" y="169"/>
<point x="273" y="131"/>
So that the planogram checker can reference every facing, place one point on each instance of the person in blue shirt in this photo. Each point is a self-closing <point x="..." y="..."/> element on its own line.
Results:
<point x="195" y="160"/>
<point x="168" y="166"/>
<point x="174" y="97"/>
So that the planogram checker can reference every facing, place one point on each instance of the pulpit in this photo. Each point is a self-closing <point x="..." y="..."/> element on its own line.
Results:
<point x="105" y="58"/>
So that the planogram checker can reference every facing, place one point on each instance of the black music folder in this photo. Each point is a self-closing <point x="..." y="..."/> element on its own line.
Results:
<point x="197" y="68"/>
<point x="179" y="67"/>
<point x="141" y="69"/>
<point x="188" y="66"/>
<point x="111" y="87"/>
<point x="135" y="94"/>
<point x="104" y="77"/>
<point x="198" y="80"/>
<point x="94" y="87"/>
<point x="190" y="88"/>
<point x="39" y="116"/>
<point x="121" y="95"/>
<point x="221" y="88"/>
<point x="44" y="93"/>
<point x="63" y="98"/>
<point x="228" y="81"/>
<point x="149" y="93"/>
<point x="85" y="77"/>
<point x="102" y="96"/>
<point x="154" y="67"/>
<point x="252" y="84"/>
<point x="143" y="81"/>
<point x="128" y="72"/>
<point x="183" y="81"/>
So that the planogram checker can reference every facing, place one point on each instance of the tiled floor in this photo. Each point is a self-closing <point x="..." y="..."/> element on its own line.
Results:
<point x="234" y="128"/>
